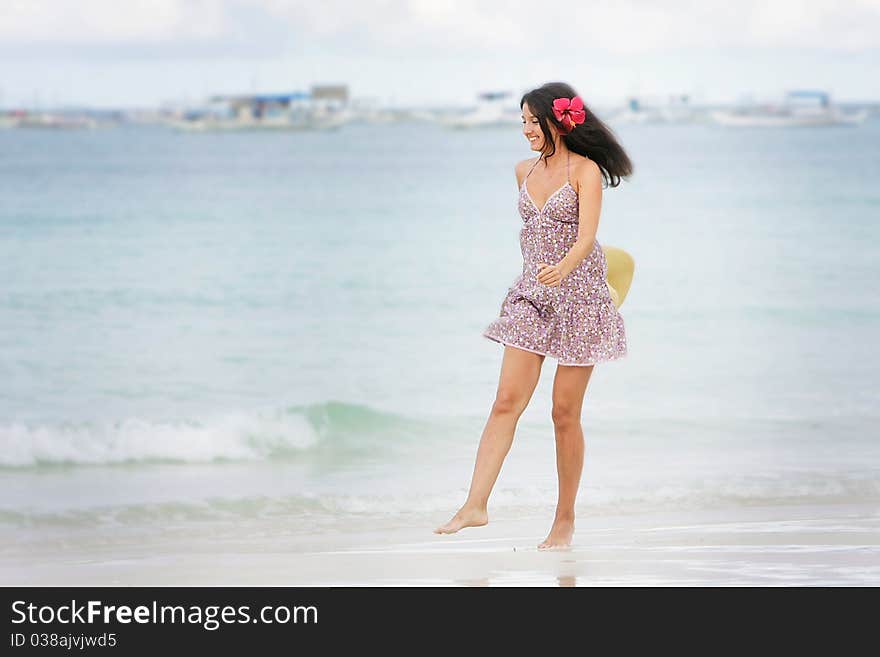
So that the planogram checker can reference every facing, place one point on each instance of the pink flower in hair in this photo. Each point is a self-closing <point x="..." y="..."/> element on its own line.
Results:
<point x="569" y="112"/>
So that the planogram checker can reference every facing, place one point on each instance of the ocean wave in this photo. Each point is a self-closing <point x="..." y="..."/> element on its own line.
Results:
<point x="330" y="429"/>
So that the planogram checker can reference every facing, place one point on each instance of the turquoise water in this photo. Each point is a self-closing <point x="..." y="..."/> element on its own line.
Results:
<point x="214" y="324"/>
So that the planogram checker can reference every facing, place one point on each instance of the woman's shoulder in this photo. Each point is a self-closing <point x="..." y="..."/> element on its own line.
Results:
<point x="581" y="165"/>
<point x="522" y="167"/>
<point x="525" y="165"/>
<point x="584" y="169"/>
<point x="585" y="173"/>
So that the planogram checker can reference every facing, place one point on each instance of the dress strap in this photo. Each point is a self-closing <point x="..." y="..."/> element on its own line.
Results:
<point x="568" y="167"/>
<point x="533" y="166"/>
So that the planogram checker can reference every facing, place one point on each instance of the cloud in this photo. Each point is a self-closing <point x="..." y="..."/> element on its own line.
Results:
<point x="95" y="22"/>
<point x="515" y="27"/>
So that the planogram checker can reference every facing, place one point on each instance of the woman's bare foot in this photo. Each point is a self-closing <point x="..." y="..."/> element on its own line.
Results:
<point x="560" y="535"/>
<point x="464" y="518"/>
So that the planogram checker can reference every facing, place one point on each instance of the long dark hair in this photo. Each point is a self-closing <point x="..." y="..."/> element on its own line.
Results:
<point x="592" y="138"/>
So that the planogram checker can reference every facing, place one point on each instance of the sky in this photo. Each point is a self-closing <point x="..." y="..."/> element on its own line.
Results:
<point x="146" y="53"/>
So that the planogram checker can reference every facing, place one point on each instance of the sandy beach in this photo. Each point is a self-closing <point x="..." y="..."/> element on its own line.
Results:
<point x="833" y="545"/>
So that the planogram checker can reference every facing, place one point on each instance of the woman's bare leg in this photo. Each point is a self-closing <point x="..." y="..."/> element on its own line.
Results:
<point x="520" y="371"/>
<point x="569" y="387"/>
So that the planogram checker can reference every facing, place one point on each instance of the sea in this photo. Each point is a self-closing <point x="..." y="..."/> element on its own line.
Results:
<point x="220" y="327"/>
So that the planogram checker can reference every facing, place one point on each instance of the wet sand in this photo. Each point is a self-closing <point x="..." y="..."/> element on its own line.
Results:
<point x="745" y="546"/>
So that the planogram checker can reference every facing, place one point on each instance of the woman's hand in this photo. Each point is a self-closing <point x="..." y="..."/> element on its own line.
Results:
<point x="550" y="275"/>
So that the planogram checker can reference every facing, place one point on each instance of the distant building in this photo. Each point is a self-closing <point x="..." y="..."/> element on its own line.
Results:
<point x="259" y="106"/>
<point x="323" y="107"/>
<point x="330" y="92"/>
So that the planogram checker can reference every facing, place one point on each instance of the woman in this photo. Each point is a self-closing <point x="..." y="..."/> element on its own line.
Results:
<point x="560" y="306"/>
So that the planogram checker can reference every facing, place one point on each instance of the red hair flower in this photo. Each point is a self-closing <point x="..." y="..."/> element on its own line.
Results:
<point x="569" y="112"/>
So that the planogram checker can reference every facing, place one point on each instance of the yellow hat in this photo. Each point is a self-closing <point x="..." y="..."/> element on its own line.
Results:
<point x="621" y="267"/>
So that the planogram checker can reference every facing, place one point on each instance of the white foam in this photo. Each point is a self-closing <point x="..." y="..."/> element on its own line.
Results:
<point x="235" y="436"/>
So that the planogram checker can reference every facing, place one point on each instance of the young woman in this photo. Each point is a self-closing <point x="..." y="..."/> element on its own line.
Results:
<point x="560" y="306"/>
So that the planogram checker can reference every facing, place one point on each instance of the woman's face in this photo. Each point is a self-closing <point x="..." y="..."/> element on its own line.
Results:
<point x="532" y="129"/>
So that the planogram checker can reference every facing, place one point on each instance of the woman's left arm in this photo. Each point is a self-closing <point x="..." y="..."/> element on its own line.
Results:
<point x="589" y="179"/>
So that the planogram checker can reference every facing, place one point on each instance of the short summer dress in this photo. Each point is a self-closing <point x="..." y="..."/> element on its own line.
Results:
<point x="575" y="322"/>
